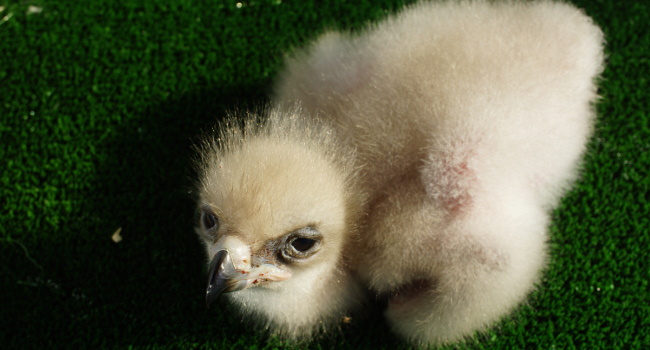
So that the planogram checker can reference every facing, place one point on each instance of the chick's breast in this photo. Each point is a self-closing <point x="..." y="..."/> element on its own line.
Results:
<point x="469" y="120"/>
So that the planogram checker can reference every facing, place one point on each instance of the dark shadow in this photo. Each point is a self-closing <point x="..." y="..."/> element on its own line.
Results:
<point x="155" y="278"/>
<point x="147" y="289"/>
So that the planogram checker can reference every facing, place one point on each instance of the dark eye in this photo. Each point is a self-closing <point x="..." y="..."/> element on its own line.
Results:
<point x="209" y="220"/>
<point x="302" y="244"/>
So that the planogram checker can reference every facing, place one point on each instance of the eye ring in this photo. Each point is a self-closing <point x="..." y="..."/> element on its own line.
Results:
<point x="300" y="244"/>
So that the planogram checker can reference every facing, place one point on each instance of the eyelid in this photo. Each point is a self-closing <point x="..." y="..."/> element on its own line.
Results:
<point x="307" y="232"/>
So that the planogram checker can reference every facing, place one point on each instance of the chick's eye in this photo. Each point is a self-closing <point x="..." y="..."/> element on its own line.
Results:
<point x="302" y="244"/>
<point x="209" y="220"/>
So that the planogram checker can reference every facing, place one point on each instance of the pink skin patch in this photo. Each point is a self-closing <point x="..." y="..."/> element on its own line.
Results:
<point x="449" y="178"/>
<point x="458" y="197"/>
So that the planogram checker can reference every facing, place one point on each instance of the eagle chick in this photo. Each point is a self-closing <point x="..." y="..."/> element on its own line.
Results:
<point x="416" y="161"/>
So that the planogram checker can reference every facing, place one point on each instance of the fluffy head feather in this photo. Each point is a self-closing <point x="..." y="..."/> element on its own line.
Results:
<point x="265" y="181"/>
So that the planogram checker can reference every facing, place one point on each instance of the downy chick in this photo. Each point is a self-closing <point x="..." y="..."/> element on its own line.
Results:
<point x="425" y="156"/>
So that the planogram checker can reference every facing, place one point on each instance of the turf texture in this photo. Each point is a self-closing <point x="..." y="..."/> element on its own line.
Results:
<point x="100" y="102"/>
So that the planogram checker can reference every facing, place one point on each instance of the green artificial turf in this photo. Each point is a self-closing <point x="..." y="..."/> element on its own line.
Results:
<point x="100" y="102"/>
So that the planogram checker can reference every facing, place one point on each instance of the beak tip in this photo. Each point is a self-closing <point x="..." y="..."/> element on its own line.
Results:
<point x="209" y="299"/>
<point x="215" y="278"/>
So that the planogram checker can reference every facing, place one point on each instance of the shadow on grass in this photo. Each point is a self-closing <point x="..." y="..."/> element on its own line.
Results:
<point x="147" y="290"/>
<point x="154" y="279"/>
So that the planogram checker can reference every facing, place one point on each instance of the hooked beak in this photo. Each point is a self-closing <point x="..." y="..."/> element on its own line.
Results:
<point x="231" y="269"/>
<point x="221" y="277"/>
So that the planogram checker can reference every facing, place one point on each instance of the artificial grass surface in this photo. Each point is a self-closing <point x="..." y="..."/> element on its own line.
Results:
<point x="100" y="102"/>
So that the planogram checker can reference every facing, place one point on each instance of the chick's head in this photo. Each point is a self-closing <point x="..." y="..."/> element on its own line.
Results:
<point x="276" y="217"/>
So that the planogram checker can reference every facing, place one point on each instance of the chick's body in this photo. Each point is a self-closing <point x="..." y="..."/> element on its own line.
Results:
<point x="463" y="123"/>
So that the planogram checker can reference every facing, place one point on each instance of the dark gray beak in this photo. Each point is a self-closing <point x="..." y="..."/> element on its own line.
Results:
<point x="221" y="277"/>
